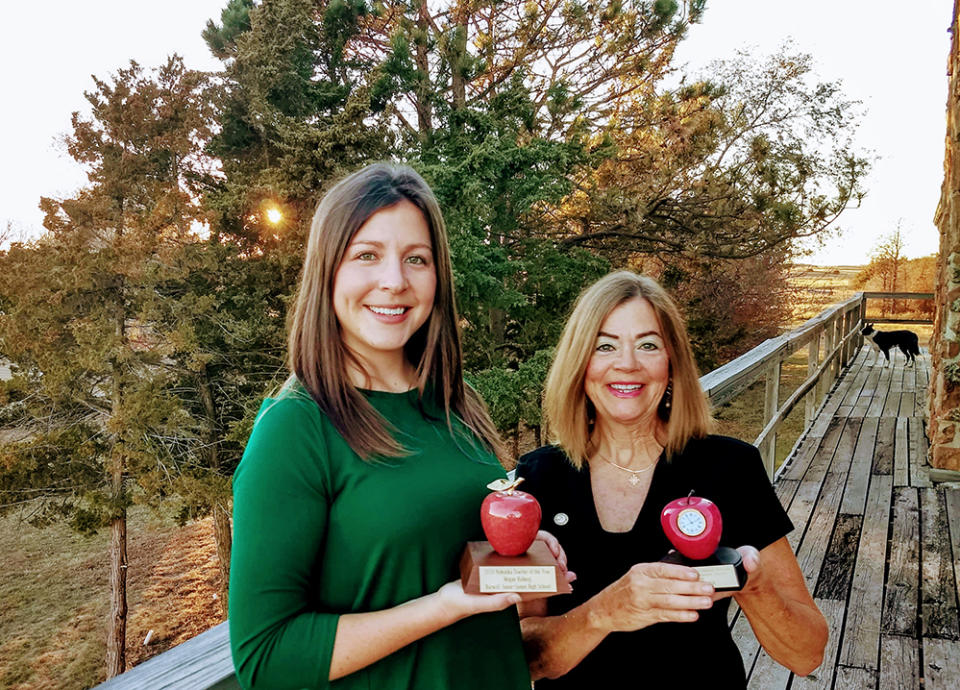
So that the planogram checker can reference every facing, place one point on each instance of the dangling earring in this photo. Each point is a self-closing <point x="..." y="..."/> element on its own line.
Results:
<point x="663" y="409"/>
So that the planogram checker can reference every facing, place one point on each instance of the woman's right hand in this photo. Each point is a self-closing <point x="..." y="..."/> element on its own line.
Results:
<point x="651" y="593"/>
<point x="460" y="604"/>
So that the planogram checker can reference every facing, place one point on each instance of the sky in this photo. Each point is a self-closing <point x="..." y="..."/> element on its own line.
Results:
<point x="892" y="56"/>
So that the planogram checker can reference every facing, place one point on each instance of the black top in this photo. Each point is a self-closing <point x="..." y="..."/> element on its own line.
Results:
<point x="728" y="472"/>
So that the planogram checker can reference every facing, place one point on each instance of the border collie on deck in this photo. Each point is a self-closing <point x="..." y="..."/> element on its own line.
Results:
<point x="907" y="341"/>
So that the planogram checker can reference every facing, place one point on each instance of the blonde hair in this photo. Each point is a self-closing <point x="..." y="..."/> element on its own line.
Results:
<point x="317" y="357"/>
<point x="568" y="411"/>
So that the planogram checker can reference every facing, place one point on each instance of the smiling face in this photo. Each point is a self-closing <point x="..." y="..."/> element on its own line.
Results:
<point x="629" y="369"/>
<point x="384" y="288"/>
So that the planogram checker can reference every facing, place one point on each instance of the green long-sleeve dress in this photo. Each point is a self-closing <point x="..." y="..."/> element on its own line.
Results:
<point x="319" y="533"/>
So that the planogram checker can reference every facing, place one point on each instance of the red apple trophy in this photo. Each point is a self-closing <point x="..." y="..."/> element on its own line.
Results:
<point x="693" y="525"/>
<point x="511" y="560"/>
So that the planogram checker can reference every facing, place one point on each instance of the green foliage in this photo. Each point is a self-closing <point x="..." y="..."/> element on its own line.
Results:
<point x="292" y="115"/>
<point x="222" y="39"/>
<point x="73" y="301"/>
<point x="220" y="314"/>
<point x="549" y="172"/>
<point x="746" y="163"/>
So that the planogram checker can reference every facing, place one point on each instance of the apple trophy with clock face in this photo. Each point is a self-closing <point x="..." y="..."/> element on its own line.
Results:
<point x="693" y="525"/>
<point x="511" y="560"/>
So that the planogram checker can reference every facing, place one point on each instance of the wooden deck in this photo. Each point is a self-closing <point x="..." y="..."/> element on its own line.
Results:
<point x="879" y="545"/>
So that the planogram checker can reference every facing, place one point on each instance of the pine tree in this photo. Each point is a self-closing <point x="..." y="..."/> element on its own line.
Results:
<point x="91" y="383"/>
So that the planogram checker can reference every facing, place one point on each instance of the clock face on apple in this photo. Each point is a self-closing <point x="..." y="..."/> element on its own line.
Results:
<point x="691" y="522"/>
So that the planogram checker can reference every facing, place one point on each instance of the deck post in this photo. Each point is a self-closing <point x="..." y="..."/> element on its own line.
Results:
<point x="771" y="402"/>
<point x="826" y="381"/>
<point x="837" y="339"/>
<point x="863" y="319"/>
<point x="813" y="361"/>
<point x="847" y="346"/>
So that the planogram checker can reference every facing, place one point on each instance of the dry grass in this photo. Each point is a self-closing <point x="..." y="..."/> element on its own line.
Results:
<point x="742" y="417"/>
<point x="54" y="596"/>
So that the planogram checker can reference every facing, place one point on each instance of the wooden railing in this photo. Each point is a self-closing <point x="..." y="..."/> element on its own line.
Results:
<point x="204" y="662"/>
<point x="832" y="339"/>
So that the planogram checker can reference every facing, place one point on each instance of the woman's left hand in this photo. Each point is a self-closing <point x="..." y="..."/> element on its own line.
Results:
<point x="751" y="564"/>
<point x="557" y="552"/>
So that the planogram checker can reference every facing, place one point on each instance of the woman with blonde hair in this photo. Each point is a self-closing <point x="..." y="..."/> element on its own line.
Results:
<point x="630" y="431"/>
<point x="362" y="479"/>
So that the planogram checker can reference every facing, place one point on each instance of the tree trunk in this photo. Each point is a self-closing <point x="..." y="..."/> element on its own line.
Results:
<point x="221" y="511"/>
<point x="537" y="435"/>
<point x="117" y="625"/>
<point x="424" y="107"/>
<point x="223" y="537"/>
<point x="458" y="52"/>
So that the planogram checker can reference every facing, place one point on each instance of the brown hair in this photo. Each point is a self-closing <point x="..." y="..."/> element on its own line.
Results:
<point x="317" y="357"/>
<point x="566" y="407"/>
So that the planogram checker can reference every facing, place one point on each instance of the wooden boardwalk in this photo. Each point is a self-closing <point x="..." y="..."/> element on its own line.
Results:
<point x="879" y="545"/>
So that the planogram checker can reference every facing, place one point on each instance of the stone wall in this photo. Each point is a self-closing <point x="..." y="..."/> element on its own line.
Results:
<point x="944" y="427"/>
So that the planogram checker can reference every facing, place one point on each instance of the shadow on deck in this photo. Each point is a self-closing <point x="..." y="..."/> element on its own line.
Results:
<point x="879" y="545"/>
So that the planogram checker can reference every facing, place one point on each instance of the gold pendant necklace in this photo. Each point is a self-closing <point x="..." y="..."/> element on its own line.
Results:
<point x="634" y="474"/>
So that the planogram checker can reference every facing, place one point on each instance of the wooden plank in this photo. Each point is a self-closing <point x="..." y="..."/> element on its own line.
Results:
<point x="892" y="404"/>
<point x="940" y="667"/>
<point x="848" y="389"/>
<point x="908" y="401"/>
<point x="837" y="571"/>
<point x="201" y="662"/>
<point x="822" y="678"/>
<point x="917" y="452"/>
<point x="883" y="455"/>
<point x="767" y="674"/>
<point x="896" y="384"/>
<point x="863" y="401"/>
<point x="898" y="295"/>
<point x="849" y="678"/>
<point x="901" y="458"/>
<point x="746" y="642"/>
<point x="838" y="443"/>
<point x="952" y="497"/>
<point x="899" y="663"/>
<point x="855" y="494"/>
<point x="856" y="388"/>
<point x="923" y="383"/>
<point x="875" y="408"/>
<point x="817" y="537"/>
<point x="861" y="637"/>
<point x="785" y="490"/>
<point x="910" y="380"/>
<point x="842" y="457"/>
<point x="813" y="447"/>
<point x="903" y="572"/>
<point x="939" y="597"/>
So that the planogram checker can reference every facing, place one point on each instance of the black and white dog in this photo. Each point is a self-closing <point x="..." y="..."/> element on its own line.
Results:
<point x="907" y="341"/>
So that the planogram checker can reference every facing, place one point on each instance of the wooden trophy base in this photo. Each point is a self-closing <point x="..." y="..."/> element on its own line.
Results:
<point x="724" y="570"/>
<point x="534" y="574"/>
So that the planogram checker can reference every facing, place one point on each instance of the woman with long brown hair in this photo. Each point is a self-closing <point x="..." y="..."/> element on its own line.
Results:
<point x="363" y="476"/>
